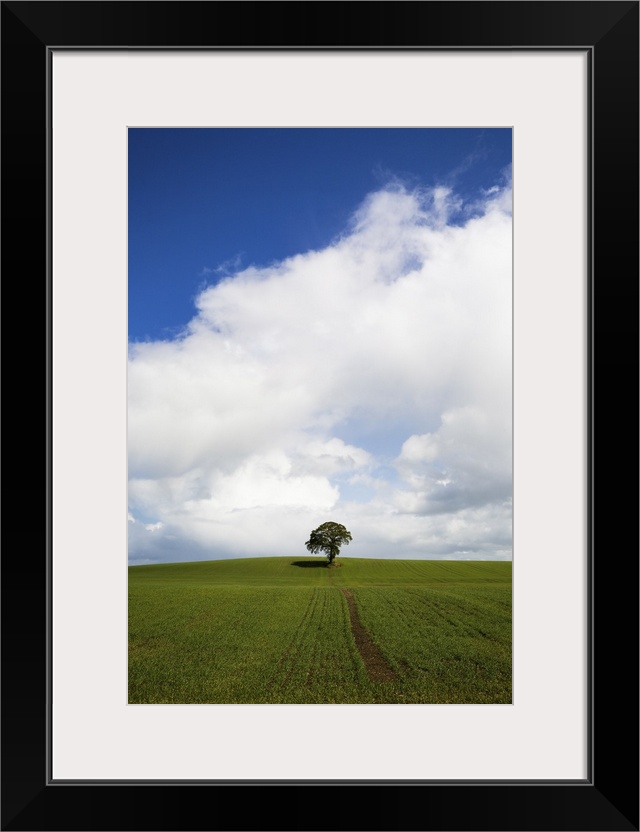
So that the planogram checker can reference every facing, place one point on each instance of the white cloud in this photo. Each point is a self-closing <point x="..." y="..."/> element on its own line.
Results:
<point x="465" y="463"/>
<point x="267" y="416"/>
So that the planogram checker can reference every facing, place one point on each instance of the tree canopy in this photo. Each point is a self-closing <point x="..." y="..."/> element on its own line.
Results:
<point x="328" y="538"/>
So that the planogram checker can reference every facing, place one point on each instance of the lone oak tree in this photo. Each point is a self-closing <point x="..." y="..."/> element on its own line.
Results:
<point x="328" y="538"/>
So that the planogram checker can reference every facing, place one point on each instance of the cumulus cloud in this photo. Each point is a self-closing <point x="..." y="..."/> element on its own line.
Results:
<point x="368" y="382"/>
<point x="465" y="463"/>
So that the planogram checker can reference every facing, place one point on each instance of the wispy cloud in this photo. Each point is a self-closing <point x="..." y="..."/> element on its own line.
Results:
<point x="224" y="269"/>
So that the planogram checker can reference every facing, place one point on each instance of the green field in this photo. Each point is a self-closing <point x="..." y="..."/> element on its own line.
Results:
<point x="292" y="631"/>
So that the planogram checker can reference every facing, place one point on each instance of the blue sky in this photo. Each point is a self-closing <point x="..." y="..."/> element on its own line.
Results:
<point x="320" y="329"/>
<point x="201" y="200"/>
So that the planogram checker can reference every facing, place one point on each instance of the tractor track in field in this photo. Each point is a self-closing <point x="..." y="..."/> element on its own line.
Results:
<point x="375" y="663"/>
<point x="286" y="664"/>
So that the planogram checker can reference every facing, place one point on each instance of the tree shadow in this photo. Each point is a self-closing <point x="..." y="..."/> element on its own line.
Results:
<point x="309" y="563"/>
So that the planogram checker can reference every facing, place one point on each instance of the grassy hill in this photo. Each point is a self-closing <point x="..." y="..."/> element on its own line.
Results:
<point x="290" y="630"/>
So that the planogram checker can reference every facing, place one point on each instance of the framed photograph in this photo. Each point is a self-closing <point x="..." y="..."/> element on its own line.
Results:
<point x="80" y="79"/>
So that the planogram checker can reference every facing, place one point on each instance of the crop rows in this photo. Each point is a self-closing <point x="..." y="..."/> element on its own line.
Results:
<point x="272" y="630"/>
<point x="445" y="645"/>
<point x="231" y="644"/>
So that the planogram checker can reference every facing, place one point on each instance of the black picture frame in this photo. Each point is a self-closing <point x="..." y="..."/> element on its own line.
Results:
<point x="608" y="798"/>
